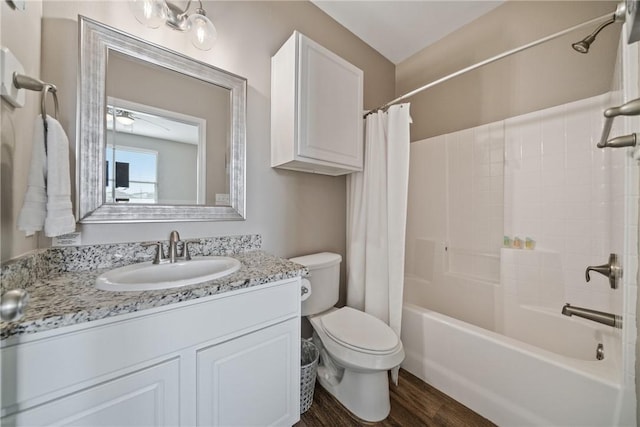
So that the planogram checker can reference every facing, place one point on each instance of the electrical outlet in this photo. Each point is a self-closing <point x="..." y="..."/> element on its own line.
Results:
<point x="70" y="239"/>
<point x="222" y="199"/>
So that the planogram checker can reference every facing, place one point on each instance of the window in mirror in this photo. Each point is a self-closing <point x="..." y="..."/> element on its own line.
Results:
<point x="132" y="175"/>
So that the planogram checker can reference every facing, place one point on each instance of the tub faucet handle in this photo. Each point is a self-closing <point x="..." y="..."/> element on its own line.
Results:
<point x="612" y="270"/>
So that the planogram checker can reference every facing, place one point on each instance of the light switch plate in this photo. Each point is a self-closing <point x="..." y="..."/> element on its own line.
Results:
<point x="18" y="4"/>
<point x="9" y="64"/>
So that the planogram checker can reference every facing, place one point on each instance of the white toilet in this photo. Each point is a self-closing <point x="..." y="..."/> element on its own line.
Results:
<point x="357" y="349"/>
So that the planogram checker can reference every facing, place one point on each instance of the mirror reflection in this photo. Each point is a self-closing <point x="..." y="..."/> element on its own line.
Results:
<point x="188" y="170"/>
<point x="154" y="156"/>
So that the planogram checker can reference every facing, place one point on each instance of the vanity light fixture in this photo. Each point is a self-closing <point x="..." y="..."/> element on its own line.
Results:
<point x="198" y="27"/>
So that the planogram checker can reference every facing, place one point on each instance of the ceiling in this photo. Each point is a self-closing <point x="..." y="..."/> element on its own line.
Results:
<point x="397" y="28"/>
<point x="157" y="126"/>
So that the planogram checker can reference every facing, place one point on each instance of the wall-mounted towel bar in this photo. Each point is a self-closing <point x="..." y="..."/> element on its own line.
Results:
<point x="12" y="79"/>
<point x="25" y="82"/>
<point x="631" y="108"/>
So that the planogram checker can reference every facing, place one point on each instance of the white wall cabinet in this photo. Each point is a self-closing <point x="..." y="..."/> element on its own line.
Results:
<point x="316" y="109"/>
<point x="231" y="359"/>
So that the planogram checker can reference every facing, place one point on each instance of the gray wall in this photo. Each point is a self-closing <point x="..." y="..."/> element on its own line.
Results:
<point x="541" y="77"/>
<point x="20" y="32"/>
<point x="296" y="213"/>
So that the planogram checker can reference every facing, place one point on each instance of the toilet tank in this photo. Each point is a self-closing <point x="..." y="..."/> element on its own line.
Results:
<point x="324" y="276"/>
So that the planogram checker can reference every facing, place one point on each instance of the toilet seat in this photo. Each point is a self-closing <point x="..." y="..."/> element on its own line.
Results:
<point x="359" y="331"/>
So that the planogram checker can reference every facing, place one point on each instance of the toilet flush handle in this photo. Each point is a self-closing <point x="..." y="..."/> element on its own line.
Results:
<point x="305" y="289"/>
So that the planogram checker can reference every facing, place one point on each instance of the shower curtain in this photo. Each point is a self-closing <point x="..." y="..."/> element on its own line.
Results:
<point x="376" y="219"/>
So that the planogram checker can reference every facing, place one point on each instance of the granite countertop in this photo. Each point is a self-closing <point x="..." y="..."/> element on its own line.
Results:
<point x="70" y="298"/>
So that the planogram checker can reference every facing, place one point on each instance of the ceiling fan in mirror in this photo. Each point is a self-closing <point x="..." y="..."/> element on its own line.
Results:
<point x="128" y="118"/>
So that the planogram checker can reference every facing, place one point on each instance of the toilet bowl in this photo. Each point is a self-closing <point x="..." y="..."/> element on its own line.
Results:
<point x="362" y="353"/>
<point x="356" y="349"/>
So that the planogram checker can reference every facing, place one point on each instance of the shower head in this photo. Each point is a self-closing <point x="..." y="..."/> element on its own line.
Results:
<point x="583" y="45"/>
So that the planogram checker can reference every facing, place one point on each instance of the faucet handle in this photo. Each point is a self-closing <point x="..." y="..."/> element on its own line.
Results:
<point x="159" y="252"/>
<point x="185" y="251"/>
<point x="612" y="270"/>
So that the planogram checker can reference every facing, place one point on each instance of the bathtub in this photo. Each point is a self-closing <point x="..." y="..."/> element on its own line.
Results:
<point x="525" y="366"/>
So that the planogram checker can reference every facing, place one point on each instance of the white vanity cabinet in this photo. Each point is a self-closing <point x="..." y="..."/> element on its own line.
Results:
<point x="229" y="359"/>
<point x="316" y="109"/>
<point x="149" y="397"/>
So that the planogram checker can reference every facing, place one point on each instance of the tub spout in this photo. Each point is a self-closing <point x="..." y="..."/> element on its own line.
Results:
<point x="608" y="319"/>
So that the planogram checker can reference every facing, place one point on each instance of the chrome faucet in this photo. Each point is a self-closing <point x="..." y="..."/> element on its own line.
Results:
<point x="174" y="238"/>
<point x="608" y="319"/>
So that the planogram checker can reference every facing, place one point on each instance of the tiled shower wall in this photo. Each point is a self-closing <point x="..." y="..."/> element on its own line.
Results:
<point x="578" y="202"/>
<point x="558" y="192"/>
<point x="475" y="201"/>
<point x="456" y="202"/>
<point x="557" y="189"/>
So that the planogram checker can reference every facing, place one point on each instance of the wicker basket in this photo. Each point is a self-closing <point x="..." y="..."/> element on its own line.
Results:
<point x="309" y="365"/>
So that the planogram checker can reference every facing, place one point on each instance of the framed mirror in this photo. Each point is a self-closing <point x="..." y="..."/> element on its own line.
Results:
<point x="161" y="136"/>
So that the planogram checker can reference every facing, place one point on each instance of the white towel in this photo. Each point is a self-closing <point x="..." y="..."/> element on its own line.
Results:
<point x="47" y="202"/>
<point x="34" y="207"/>
<point x="60" y="219"/>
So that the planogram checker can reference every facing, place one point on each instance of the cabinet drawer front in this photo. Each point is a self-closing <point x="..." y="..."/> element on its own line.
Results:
<point x="149" y="397"/>
<point x="41" y="370"/>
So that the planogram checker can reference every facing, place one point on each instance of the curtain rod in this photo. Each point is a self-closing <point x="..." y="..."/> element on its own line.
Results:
<point x="489" y="61"/>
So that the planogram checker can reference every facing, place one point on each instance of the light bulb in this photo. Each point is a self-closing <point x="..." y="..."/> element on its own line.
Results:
<point x="202" y="32"/>
<point x="151" y="13"/>
<point x="126" y="121"/>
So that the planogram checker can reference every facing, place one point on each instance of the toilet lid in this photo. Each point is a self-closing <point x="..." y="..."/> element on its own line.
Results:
<point x="361" y="331"/>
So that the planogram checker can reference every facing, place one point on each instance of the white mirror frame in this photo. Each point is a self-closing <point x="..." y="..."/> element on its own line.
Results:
<point x="96" y="40"/>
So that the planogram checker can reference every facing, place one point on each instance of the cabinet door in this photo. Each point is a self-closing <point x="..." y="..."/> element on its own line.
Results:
<point x="252" y="380"/>
<point x="149" y="397"/>
<point x="330" y="102"/>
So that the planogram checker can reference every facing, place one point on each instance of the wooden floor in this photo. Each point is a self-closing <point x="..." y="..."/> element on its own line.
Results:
<point x="413" y="403"/>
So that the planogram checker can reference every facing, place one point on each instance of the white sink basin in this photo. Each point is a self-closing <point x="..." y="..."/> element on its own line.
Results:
<point x="146" y="276"/>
